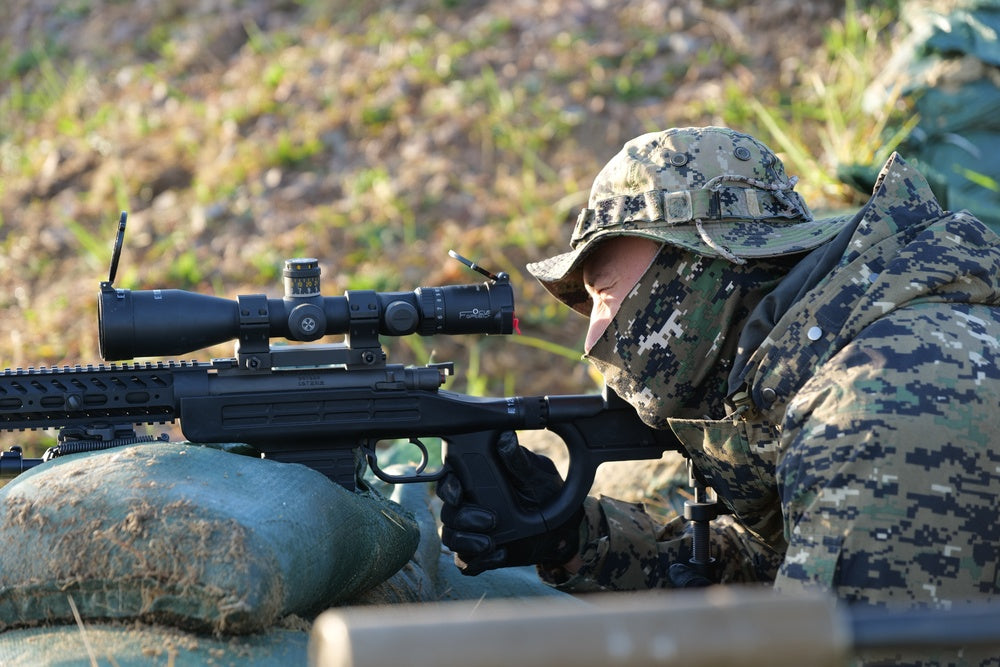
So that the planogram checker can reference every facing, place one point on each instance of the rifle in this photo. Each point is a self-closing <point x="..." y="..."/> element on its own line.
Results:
<point x="650" y="628"/>
<point x="318" y="404"/>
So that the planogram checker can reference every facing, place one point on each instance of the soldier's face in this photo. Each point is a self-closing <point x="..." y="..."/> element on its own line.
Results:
<point x="609" y="274"/>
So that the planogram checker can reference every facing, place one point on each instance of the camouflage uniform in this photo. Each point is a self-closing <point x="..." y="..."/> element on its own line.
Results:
<point x="856" y="455"/>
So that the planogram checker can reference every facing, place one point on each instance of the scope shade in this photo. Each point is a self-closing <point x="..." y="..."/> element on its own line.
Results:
<point x="162" y="322"/>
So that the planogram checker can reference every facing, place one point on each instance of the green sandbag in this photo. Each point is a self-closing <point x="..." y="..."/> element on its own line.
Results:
<point x="147" y="646"/>
<point x="946" y="70"/>
<point x="190" y="536"/>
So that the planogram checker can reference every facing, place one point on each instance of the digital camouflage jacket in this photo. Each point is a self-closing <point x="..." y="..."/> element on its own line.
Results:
<point x="863" y="455"/>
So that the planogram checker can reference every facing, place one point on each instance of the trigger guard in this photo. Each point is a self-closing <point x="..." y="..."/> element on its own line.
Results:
<point x="417" y="476"/>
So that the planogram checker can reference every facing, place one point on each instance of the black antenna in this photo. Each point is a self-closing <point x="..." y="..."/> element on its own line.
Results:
<point x="116" y="253"/>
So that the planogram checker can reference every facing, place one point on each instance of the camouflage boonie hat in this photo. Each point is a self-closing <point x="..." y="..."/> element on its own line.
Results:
<point x="710" y="190"/>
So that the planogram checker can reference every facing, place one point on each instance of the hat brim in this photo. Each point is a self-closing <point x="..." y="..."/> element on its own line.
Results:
<point x="562" y="275"/>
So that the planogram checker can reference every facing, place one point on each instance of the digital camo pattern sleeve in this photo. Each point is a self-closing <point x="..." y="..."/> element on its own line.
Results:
<point x="885" y="380"/>
<point x="625" y="549"/>
<point x="891" y="472"/>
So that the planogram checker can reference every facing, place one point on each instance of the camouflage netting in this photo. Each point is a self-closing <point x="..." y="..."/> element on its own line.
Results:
<point x="190" y="536"/>
<point x="948" y="69"/>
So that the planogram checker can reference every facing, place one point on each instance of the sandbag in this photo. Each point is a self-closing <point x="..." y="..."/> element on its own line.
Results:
<point x="948" y="70"/>
<point x="189" y="536"/>
<point x="147" y="646"/>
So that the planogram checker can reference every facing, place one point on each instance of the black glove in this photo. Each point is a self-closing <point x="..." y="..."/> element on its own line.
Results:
<point x="683" y="575"/>
<point x="467" y="527"/>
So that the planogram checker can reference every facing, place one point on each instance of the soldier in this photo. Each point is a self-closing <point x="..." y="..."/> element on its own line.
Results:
<point x="836" y="381"/>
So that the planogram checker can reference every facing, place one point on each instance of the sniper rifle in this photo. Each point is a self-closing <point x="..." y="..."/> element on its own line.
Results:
<point x="317" y="404"/>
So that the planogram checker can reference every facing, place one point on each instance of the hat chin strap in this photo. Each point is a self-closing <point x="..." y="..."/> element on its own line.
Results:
<point x="778" y="189"/>
<point x="722" y="250"/>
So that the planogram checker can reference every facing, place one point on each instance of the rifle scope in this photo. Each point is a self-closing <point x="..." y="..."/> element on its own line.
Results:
<point x="164" y="322"/>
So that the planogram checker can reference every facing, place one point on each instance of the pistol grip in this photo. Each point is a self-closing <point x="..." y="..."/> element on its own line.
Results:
<point x="474" y="459"/>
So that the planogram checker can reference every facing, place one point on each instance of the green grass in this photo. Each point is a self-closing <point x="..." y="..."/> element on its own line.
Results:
<point x="820" y="122"/>
<point x="439" y="138"/>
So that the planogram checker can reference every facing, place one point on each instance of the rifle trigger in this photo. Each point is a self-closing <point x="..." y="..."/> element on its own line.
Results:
<point x="423" y="454"/>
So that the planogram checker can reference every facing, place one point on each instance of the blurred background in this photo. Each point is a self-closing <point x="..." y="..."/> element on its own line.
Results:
<point x="376" y="136"/>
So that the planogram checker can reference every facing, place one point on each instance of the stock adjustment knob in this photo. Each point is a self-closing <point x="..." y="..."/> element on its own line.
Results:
<point x="306" y="322"/>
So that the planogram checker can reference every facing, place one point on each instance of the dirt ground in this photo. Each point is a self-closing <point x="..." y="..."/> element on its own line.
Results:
<point x="63" y="184"/>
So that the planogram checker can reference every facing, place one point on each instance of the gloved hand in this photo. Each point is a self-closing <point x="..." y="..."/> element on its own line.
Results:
<point x="467" y="527"/>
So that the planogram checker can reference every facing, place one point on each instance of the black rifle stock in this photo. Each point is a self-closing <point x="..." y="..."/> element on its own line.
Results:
<point x="317" y="404"/>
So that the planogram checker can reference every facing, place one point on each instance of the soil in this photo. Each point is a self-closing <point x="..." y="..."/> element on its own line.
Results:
<point x="61" y="186"/>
